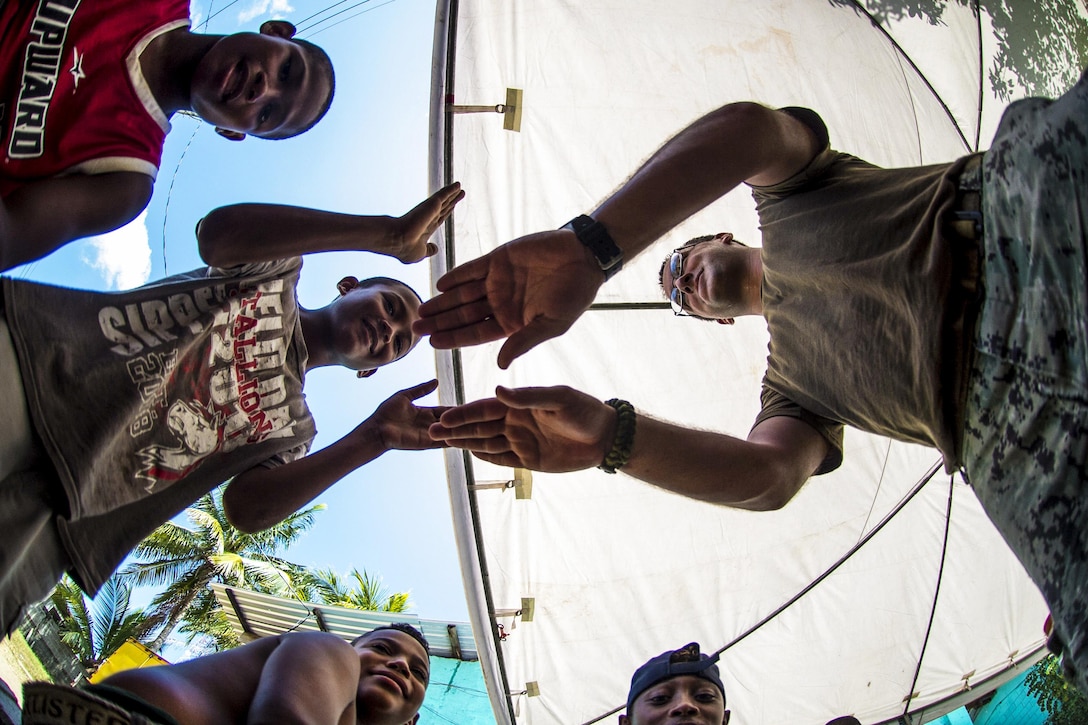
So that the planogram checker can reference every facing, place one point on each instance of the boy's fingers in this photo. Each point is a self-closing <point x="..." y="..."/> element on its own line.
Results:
<point x="418" y="391"/>
<point x="449" y="190"/>
<point x="451" y="200"/>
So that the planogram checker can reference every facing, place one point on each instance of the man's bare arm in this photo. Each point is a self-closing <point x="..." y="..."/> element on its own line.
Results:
<point x="761" y="473"/>
<point x="262" y="497"/>
<point x="735" y="144"/>
<point x="242" y="233"/>
<point x="533" y="288"/>
<point x="43" y="216"/>
<point x="559" y="429"/>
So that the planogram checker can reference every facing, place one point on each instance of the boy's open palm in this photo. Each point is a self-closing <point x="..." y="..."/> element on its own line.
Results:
<point x="403" y="425"/>
<point x="419" y="224"/>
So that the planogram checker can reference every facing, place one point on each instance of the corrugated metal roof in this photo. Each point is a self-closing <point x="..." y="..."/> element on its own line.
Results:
<point x="253" y="614"/>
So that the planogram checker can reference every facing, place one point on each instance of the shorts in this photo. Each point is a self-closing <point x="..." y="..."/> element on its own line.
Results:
<point x="47" y="704"/>
<point x="32" y="556"/>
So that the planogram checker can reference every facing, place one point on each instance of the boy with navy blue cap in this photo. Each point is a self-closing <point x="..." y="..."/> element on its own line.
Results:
<point x="678" y="685"/>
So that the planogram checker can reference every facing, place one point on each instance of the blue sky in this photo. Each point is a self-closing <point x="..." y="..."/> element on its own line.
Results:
<point x="368" y="156"/>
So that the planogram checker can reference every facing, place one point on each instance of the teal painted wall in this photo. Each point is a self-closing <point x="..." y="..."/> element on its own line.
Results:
<point x="1011" y="704"/>
<point x="456" y="694"/>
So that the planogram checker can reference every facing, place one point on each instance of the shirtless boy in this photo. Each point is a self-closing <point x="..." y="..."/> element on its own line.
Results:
<point x="300" y="677"/>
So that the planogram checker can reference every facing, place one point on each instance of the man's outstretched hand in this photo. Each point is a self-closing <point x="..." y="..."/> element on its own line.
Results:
<point x="528" y="290"/>
<point x="415" y="228"/>
<point x="554" y="429"/>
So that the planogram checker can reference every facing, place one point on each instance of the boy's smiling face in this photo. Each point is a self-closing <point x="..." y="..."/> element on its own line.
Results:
<point x="262" y="84"/>
<point x="373" y="323"/>
<point x="394" y="670"/>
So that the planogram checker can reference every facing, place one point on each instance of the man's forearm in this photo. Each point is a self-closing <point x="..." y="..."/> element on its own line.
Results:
<point x="243" y="233"/>
<point x="717" y="468"/>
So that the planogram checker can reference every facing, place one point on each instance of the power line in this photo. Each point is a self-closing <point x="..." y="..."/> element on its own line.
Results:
<point x="354" y="16"/>
<point x="319" y="12"/>
<point x="350" y="7"/>
<point x="339" y="12"/>
<point x="169" y="195"/>
<point x="225" y="7"/>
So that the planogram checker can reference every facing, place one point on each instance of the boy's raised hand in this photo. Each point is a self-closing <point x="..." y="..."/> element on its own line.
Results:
<point x="244" y="233"/>
<point x="261" y="497"/>
<point x="402" y="425"/>
<point x="417" y="226"/>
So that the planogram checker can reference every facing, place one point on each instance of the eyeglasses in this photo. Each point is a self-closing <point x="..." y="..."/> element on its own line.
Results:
<point x="676" y="295"/>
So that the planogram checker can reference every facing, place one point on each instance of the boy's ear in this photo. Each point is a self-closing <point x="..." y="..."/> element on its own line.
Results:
<point x="347" y="284"/>
<point x="278" y="28"/>
<point x="365" y="373"/>
<point x="230" y="135"/>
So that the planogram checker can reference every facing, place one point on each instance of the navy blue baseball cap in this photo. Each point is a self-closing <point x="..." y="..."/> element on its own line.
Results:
<point x="684" y="661"/>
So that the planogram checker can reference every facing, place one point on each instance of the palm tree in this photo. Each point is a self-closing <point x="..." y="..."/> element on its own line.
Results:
<point x="95" y="628"/>
<point x="185" y="561"/>
<point x="368" y="594"/>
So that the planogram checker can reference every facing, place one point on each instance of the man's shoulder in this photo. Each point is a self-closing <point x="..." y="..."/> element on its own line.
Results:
<point x="812" y="121"/>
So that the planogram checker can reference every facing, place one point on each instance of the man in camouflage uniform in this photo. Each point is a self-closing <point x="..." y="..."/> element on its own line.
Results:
<point x="880" y="317"/>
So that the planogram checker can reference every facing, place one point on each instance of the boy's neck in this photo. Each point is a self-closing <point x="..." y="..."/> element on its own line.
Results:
<point x="316" y="333"/>
<point x="168" y="64"/>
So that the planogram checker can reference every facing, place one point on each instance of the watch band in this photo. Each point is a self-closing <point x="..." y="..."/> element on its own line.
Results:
<point x="594" y="236"/>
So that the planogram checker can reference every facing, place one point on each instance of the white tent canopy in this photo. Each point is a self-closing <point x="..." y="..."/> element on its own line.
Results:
<point x="929" y="606"/>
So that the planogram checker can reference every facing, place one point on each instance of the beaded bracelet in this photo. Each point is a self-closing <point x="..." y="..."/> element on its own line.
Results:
<point x="625" y="436"/>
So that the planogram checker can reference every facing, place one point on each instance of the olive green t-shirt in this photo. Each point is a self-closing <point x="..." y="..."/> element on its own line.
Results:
<point x="857" y="273"/>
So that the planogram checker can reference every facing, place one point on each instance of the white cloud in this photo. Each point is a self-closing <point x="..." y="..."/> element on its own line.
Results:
<point x="123" y="256"/>
<point x="272" y="8"/>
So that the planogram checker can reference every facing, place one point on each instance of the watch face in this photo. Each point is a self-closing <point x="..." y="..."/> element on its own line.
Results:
<point x="593" y="235"/>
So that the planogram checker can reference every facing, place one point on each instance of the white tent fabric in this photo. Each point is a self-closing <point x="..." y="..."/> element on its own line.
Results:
<point x="933" y="604"/>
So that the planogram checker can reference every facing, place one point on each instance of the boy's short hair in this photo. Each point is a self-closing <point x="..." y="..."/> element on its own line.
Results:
<point x="399" y="627"/>
<point x="371" y="281"/>
<point x="323" y="65"/>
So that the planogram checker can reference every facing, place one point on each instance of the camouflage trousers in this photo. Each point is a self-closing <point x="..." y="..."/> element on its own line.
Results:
<point x="1025" y="447"/>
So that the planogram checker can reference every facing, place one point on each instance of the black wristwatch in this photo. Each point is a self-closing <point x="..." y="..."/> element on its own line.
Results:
<point x="592" y="233"/>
